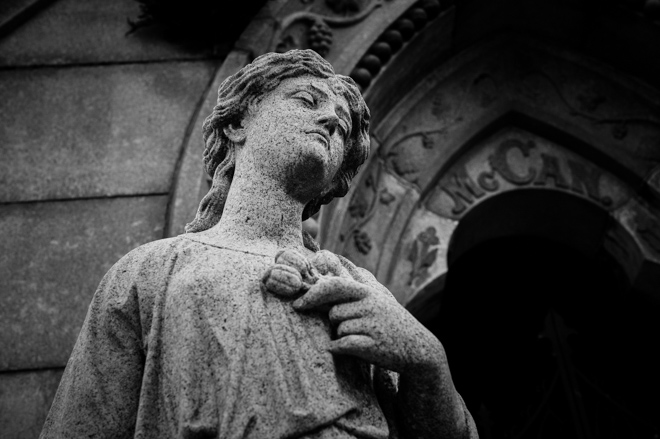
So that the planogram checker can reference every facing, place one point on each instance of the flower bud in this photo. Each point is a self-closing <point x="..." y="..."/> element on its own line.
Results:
<point x="283" y="280"/>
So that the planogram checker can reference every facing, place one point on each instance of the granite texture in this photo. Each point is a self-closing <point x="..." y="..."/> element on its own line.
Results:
<point x="242" y="327"/>
<point x="25" y="398"/>
<point x="51" y="263"/>
<point x="92" y="131"/>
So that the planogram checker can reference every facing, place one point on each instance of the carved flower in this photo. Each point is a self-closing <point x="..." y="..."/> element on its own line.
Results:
<point x="358" y="209"/>
<point x="421" y="256"/>
<point x="362" y="241"/>
<point x="429" y="237"/>
<point x="386" y="197"/>
<point x="427" y="141"/>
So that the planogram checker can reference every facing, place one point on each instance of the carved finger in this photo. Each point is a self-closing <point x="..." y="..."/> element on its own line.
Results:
<point x="352" y="327"/>
<point x="293" y="259"/>
<point x="360" y="346"/>
<point x="331" y="291"/>
<point x="346" y="311"/>
<point x="327" y="263"/>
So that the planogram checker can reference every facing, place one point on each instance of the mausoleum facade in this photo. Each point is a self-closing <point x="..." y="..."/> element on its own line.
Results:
<point x="511" y="200"/>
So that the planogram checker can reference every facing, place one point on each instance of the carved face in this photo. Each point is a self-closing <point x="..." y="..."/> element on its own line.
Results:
<point x="297" y="134"/>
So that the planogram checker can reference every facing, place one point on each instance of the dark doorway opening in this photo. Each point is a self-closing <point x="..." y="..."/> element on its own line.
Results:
<point x="546" y="342"/>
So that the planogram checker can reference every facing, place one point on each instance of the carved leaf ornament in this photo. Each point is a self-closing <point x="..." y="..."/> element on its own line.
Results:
<point x="361" y="210"/>
<point x="363" y="207"/>
<point x="421" y="256"/>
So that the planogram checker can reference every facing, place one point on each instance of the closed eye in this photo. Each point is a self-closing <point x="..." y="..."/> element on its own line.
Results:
<point x="306" y="97"/>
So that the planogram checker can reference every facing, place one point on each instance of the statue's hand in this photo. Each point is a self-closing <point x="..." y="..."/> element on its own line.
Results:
<point x="293" y="274"/>
<point x="328" y="264"/>
<point x="372" y="325"/>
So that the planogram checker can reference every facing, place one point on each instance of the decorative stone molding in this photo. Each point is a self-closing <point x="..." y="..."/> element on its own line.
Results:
<point x="393" y="39"/>
<point x="584" y="132"/>
<point x="421" y="256"/>
<point x="604" y="128"/>
<point x="319" y="33"/>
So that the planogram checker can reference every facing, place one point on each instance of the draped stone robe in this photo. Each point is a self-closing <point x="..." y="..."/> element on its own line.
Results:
<point x="180" y="341"/>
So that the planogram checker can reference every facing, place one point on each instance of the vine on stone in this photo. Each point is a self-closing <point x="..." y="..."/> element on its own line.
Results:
<point x="421" y="255"/>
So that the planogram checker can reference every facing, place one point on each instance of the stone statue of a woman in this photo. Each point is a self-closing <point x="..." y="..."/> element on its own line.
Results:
<point x="242" y="328"/>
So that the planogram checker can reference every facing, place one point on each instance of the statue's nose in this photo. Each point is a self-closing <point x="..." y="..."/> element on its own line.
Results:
<point x="330" y="121"/>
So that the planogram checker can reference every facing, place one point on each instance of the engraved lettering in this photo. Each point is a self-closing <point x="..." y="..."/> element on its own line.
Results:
<point x="460" y="187"/>
<point x="488" y="182"/>
<point x="583" y="177"/>
<point x="498" y="161"/>
<point x="576" y="176"/>
<point x="550" y="170"/>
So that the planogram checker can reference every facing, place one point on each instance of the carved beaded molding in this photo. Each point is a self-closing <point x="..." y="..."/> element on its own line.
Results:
<point x="320" y="36"/>
<point x="393" y="39"/>
<point x="430" y="170"/>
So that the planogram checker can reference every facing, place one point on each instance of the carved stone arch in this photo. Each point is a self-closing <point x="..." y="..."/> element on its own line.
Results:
<point x="467" y="121"/>
<point x="579" y="120"/>
<point x="401" y="53"/>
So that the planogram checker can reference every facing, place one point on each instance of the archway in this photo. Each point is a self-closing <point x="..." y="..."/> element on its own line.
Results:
<point x="460" y="125"/>
<point x="544" y="333"/>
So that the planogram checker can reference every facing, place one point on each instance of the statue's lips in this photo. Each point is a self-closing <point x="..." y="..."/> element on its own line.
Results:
<point x="324" y="135"/>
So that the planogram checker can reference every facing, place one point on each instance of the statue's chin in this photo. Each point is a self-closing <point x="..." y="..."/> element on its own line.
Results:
<point x="309" y="175"/>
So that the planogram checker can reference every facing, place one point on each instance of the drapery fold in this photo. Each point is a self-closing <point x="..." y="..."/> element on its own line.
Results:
<point x="181" y="341"/>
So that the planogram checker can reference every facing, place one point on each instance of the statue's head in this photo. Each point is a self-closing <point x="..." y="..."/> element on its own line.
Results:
<point x="241" y="92"/>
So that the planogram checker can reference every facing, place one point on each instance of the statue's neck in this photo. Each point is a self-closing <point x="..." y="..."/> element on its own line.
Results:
<point x="259" y="216"/>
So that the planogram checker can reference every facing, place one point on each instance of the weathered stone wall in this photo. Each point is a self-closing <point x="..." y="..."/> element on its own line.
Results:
<point x="92" y="123"/>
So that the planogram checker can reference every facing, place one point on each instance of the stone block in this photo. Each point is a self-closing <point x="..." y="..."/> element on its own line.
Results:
<point x="12" y="11"/>
<point x="25" y="398"/>
<point x="71" y="31"/>
<point x="95" y="131"/>
<point x="53" y="257"/>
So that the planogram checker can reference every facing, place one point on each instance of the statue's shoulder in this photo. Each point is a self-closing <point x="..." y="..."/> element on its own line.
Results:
<point x="139" y="275"/>
<point x="153" y="253"/>
<point x="151" y="263"/>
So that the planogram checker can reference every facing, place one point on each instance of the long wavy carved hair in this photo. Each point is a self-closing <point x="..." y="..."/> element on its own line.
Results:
<point x="238" y="92"/>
